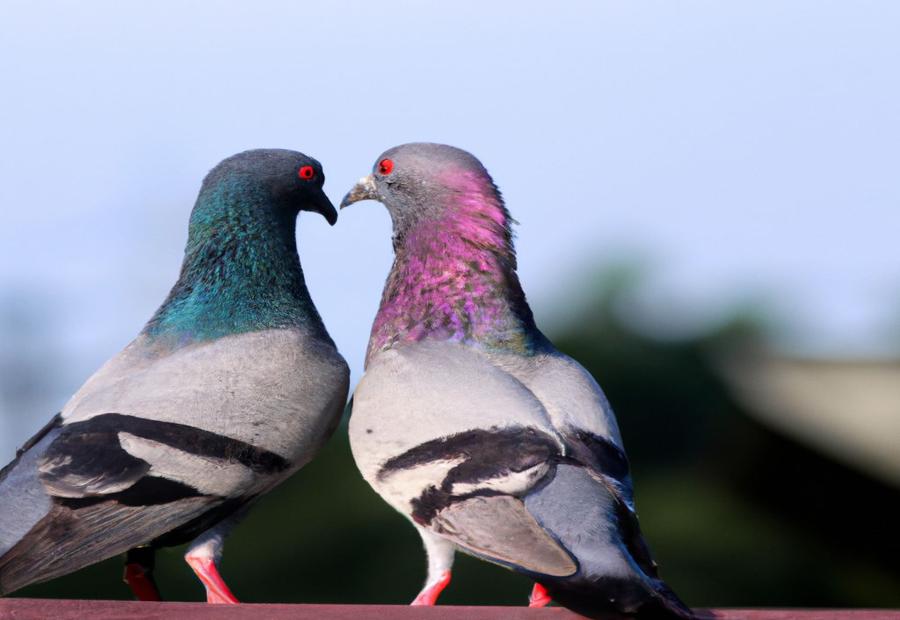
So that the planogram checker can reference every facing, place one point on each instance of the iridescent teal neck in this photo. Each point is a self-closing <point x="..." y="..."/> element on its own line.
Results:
<point x="241" y="271"/>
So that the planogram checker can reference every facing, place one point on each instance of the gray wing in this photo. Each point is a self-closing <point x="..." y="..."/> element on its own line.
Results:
<point x="501" y="529"/>
<point x="482" y="503"/>
<point x="67" y="539"/>
<point x="112" y="453"/>
<point x="587" y="503"/>
<point x="21" y="488"/>
<point x="478" y="503"/>
<point x="113" y="482"/>
<point x="616" y="571"/>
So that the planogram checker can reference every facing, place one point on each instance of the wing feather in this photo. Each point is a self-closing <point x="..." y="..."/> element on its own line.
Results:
<point x="500" y="529"/>
<point x="68" y="538"/>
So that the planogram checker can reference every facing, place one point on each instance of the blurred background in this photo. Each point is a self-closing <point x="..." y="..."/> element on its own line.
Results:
<point x="709" y="212"/>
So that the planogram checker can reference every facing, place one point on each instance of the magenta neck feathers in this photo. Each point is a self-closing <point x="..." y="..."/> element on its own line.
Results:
<point x="454" y="278"/>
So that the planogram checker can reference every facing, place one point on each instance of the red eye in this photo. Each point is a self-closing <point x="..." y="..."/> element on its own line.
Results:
<point x="306" y="173"/>
<point x="385" y="166"/>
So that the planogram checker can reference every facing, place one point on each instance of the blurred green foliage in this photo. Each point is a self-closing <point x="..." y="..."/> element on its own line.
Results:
<point x="737" y="515"/>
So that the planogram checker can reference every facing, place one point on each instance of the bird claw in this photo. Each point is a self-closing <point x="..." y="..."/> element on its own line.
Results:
<point x="217" y="592"/>
<point x="140" y="580"/>
<point x="539" y="596"/>
<point x="219" y="598"/>
<point x="429" y="595"/>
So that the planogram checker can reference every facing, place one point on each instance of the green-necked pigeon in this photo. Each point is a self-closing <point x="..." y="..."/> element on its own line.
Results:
<point x="231" y="386"/>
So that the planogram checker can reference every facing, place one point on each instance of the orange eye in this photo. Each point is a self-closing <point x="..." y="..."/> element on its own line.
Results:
<point x="385" y="166"/>
<point x="307" y="173"/>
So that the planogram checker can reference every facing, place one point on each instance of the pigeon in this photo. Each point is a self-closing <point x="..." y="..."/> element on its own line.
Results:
<point x="471" y="424"/>
<point x="232" y="385"/>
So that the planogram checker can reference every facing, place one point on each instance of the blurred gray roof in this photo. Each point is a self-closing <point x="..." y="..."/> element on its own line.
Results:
<point x="848" y="409"/>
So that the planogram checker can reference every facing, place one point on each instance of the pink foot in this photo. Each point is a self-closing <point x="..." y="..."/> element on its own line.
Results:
<point x="429" y="595"/>
<point x="141" y="582"/>
<point x="539" y="596"/>
<point x="217" y="591"/>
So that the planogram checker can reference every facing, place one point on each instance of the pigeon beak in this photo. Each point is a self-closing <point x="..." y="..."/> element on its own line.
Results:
<point x="363" y="190"/>
<point x="323" y="205"/>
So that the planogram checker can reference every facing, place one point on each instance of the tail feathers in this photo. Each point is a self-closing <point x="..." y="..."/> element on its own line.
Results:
<point x="671" y="602"/>
<point x="23" y="500"/>
<point x="68" y="539"/>
<point x="616" y="572"/>
<point x="597" y="599"/>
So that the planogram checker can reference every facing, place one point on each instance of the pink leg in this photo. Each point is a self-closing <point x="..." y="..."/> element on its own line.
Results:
<point x="140" y="580"/>
<point x="430" y="593"/>
<point x="539" y="596"/>
<point x="217" y="591"/>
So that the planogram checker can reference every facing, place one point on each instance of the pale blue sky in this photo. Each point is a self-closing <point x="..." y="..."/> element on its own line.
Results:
<point x="744" y="148"/>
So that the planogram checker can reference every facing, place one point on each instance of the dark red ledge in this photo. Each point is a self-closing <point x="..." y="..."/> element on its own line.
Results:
<point x="58" y="609"/>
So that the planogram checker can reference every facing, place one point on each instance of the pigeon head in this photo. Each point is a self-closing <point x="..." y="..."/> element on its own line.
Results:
<point x="281" y="181"/>
<point x="454" y="273"/>
<point x="241" y="270"/>
<point x="425" y="182"/>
